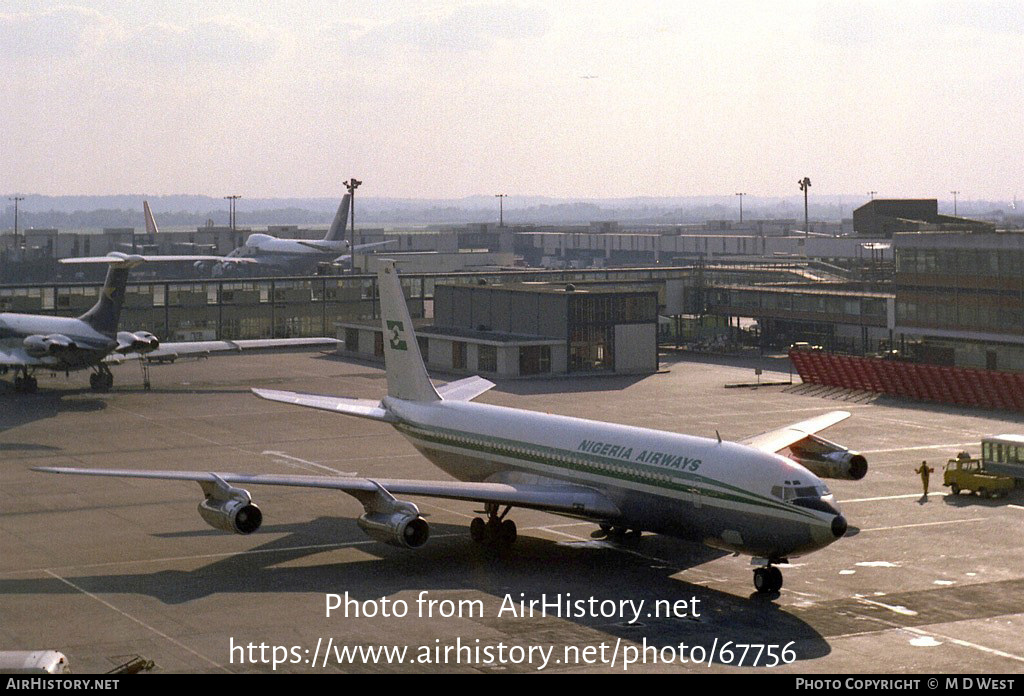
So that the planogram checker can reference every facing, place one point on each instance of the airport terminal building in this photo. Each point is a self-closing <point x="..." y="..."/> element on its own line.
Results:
<point x="521" y="329"/>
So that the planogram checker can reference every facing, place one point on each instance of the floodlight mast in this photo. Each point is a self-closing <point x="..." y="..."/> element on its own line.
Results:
<point x="501" y="208"/>
<point x="804" y="185"/>
<point x="351" y="185"/>
<point x="16" y="199"/>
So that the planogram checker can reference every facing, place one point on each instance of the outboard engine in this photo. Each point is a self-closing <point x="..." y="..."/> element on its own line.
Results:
<point x="828" y="460"/>
<point x="228" y="508"/>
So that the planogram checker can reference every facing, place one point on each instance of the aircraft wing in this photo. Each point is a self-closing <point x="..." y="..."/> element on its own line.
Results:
<point x="362" y="247"/>
<point x="200" y="349"/>
<point x="139" y="258"/>
<point x="564" y="498"/>
<point x="464" y="389"/>
<point x="775" y="440"/>
<point x="361" y="408"/>
<point x="17" y="357"/>
<point x="319" y="245"/>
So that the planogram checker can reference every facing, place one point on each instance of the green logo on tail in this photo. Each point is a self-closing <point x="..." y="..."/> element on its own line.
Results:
<point x="397" y="343"/>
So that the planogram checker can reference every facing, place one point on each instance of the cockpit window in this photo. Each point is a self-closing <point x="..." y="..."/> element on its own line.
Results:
<point x="791" y="492"/>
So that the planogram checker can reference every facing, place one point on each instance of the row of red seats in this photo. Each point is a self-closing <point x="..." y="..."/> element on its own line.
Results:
<point x="939" y="383"/>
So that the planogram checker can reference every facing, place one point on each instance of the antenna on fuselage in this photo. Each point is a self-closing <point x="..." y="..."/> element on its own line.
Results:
<point x="719" y="437"/>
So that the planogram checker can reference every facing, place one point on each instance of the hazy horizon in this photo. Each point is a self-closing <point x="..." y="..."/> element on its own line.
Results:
<point x="448" y="99"/>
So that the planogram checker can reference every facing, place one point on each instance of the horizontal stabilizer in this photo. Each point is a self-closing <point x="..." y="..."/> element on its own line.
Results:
<point x="361" y="408"/>
<point x="465" y="389"/>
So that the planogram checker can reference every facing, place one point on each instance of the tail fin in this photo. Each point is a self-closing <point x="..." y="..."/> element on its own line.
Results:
<point x="105" y="314"/>
<point x="151" y="228"/>
<point x="407" y="376"/>
<point x="337" y="231"/>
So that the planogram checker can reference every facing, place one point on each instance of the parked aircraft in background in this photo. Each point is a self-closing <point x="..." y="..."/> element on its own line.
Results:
<point x="739" y="497"/>
<point x="296" y="256"/>
<point x="32" y="342"/>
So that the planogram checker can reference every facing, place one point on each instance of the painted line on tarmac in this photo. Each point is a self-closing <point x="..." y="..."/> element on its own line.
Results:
<point x="925" y="524"/>
<point x="924" y="633"/>
<point x="955" y="445"/>
<point x="891" y="497"/>
<point x="140" y="622"/>
<point x="304" y="464"/>
<point x="966" y="644"/>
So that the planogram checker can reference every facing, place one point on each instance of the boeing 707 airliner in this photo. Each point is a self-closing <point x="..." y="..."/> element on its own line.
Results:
<point x="740" y="497"/>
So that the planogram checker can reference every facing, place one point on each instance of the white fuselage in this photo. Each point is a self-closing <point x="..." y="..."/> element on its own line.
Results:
<point x="723" y="494"/>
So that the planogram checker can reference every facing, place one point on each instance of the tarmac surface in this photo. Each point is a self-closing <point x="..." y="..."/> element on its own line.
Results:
<point x="104" y="569"/>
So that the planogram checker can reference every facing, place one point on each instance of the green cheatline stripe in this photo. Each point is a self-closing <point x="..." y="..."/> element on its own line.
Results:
<point x="568" y="459"/>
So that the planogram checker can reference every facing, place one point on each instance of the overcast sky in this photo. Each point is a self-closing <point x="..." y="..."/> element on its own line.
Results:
<point x="453" y="98"/>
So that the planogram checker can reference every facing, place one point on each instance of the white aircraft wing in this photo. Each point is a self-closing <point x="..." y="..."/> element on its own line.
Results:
<point x="319" y="245"/>
<point x="775" y="440"/>
<point x="199" y="349"/>
<point x="139" y="258"/>
<point x="361" y="408"/>
<point x="464" y="389"/>
<point x="565" y="498"/>
<point x="360" y="248"/>
<point x="17" y="357"/>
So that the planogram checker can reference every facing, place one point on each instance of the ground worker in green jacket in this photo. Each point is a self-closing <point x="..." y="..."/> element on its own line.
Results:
<point x="925" y="472"/>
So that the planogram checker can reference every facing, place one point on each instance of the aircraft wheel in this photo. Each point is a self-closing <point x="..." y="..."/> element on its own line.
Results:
<point x="768" y="580"/>
<point x="94" y="381"/>
<point x="478" y="530"/>
<point x="954" y="489"/>
<point x="507" y="533"/>
<point x="31" y="385"/>
<point x="19" y="384"/>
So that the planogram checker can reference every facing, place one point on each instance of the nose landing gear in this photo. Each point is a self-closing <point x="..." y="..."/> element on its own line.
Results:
<point x="768" y="580"/>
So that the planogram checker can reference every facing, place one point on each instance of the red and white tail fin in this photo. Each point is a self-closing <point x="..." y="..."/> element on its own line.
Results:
<point x="151" y="227"/>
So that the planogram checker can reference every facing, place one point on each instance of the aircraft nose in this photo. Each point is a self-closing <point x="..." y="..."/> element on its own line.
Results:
<point x="839" y="526"/>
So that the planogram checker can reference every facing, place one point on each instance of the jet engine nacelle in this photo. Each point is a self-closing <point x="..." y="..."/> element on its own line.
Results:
<point x="238" y="516"/>
<point x="53" y="344"/>
<point x="138" y="342"/>
<point x="396" y="528"/>
<point x="828" y="460"/>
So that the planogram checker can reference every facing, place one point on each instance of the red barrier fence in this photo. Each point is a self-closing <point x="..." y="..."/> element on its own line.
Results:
<point x="939" y="383"/>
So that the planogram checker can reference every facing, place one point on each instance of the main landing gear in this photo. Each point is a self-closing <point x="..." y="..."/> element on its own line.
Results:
<point x="25" y="383"/>
<point x="614" y="533"/>
<point x="101" y="380"/>
<point x="496" y="532"/>
<point x="768" y="580"/>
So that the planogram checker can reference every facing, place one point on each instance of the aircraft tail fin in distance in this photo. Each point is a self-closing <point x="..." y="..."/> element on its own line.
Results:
<point x="151" y="228"/>
<point x="403" y="363"/>
<point x="337" y="231"/>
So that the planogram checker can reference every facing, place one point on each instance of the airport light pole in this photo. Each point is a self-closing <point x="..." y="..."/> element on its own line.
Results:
<point x="805" y="184"/>
<point x="351" y="185"/>
<point x="741" y="195"/>
<point x="872" y="194"/>
<point x="231" y="210"/>
<point x="955" y="194"/>
<point x="501" y="208"/>
<point x="16" y="199"/>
